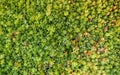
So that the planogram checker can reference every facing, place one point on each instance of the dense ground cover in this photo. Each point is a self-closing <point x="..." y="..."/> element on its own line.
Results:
<point x="59" y="37"/>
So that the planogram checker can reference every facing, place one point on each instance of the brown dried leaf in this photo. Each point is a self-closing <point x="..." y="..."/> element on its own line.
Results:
<point x="90" y="19"/>
<point x="86" y="34"/>
<point x="106" y="28"/>
<point x="102" y="39"/>
<point x="72" y="1"/>
<point x="88" y="53"/>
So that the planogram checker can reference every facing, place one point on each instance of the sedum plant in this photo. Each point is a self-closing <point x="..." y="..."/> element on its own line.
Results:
<point x="59" y="37"/>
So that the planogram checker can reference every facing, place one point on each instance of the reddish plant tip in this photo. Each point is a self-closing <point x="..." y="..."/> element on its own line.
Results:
<point x="108" y="14"/>
<point x="72" y="1"/>
<point x="78" y="57"/>
<point x="47" y="65"/>
<point x="15" y="33"/>
<point x="105" y="50"/>
<point x="76" y="47"/>
<point x="114" y="7"/>
<point x="86" y="34"/>
<point x="26" y="44"/>
<point x="102" y="50"/>
<point x="16" y="64"/>
<point x="106" y="28"/>
<point x="90" y="19"/>
<point x="88" y="53"/>
<point x="110" y="9"/>
<point x="102" y="39"/>
<point x="91" y="62"/>
<point x="98" y="52"/>
<point x="76" y="40"/>
<point x="94" y="48"/>
<point x="95" y="44"/>
<point x="113" y="21"/>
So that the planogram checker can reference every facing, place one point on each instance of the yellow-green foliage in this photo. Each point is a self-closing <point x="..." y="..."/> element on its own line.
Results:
<point x="59" y="37"/>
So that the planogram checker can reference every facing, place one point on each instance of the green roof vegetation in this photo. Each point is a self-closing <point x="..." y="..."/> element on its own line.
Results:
<point x="59" y="37"/>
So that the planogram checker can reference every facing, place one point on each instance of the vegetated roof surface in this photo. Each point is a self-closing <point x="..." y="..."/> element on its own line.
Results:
<point x="59" y="37"/>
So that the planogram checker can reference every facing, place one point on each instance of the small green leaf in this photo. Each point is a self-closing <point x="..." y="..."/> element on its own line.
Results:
<point x="1" y="32"/>
<point x="66" y="13"/>
<point x="48" y="9"/>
